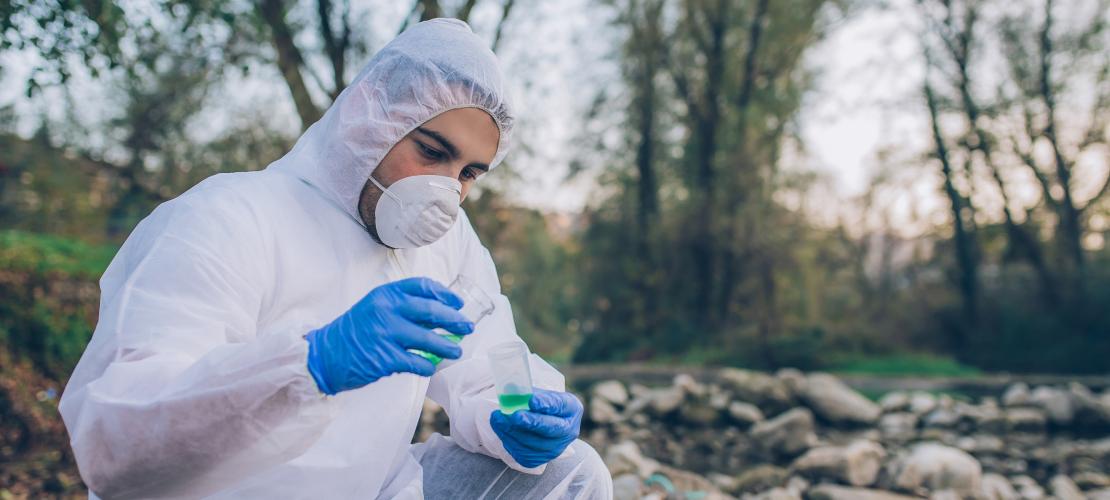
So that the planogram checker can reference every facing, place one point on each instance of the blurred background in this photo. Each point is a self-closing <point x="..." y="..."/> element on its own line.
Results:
<point x="905" y="187"/>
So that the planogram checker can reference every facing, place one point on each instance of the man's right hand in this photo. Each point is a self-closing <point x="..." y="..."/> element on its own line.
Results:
<point x="369" y="341"/>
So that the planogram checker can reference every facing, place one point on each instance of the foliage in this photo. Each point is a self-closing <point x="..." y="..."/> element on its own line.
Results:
<point x="49" y="298"/>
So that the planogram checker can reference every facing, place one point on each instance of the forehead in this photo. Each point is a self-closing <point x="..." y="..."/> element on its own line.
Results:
<point x="471" y="130"/>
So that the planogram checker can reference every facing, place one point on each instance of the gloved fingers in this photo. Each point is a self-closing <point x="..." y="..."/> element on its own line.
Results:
<point x="434" y="314"/>
<point x="429" y="289"/>
<point x="540" y="425"/>
<point x="561" y="404"/>
<point x="411" y="363"/>
<point x="415" y="337"/>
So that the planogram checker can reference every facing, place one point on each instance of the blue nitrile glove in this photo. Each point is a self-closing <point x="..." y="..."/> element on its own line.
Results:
<point x="369" y="341"/>
<point x="537" y="436"/>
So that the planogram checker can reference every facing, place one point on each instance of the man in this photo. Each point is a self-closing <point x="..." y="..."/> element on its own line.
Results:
<point x="254" y="340"/>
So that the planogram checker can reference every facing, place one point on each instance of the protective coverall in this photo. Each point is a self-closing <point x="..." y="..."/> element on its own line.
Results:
<point x="195" y="381"/>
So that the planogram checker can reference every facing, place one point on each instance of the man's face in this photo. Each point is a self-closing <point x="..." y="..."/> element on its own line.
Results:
<point x="459" y="143"/>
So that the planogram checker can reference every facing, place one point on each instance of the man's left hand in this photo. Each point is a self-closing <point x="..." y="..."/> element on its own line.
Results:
<point x="538" y="435"/>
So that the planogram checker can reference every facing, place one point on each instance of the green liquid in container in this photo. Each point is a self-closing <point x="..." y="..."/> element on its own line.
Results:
<point x="513" y="402"/>
<point x="432" y="357"/>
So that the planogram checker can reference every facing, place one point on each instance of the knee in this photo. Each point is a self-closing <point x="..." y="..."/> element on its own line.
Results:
<point x="591" y="472"/>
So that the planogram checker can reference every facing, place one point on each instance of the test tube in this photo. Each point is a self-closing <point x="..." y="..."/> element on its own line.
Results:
<point x="512" y="375"/>
<point x="477" y="304"/>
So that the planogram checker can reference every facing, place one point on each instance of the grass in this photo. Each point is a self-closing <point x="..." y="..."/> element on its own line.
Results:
<point x="904" y="364"/>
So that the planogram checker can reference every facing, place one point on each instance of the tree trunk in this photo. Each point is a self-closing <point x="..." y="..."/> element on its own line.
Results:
<point x="965" y="253"/>
<point x="289" y="60"/>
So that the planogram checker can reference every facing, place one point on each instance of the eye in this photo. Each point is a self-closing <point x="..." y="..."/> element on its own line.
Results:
<point x="469" y="173"/>
<point x="429" y="152"/>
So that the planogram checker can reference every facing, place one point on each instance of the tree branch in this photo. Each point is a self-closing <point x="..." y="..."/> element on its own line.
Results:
<point x="505" y="10"/>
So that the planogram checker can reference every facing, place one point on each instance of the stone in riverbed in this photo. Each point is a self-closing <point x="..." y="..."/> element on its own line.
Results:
<point x="760" y="478"/>
<point x="1027" y="488"/>
<point x="1063" y="488"/>
<point x="786" y="435"/>
<point x="744" y="414"/>
<point x="612" y="391"/>
<point x="834" y="492"/>
<point x="760" y="389"/>
<point x="1025" y="420"/>
<point x="997" y="487"/>
<point x="603" y="412"/>
<point x="922" y="403"/>
<point x="625" y="457"/>
<point x="894" y="401"/>
<point x="774" y="494"/>
<point x="1016" y="395"/>
<point x="836" y="403"/>
<point x="1056" y="403"/>
<point x="627" y="486"/>
<point x="900" y="426"/>
<point x="933" y="467"/>
<point x="1092" y="480"/>
<point x="857" y="464"/>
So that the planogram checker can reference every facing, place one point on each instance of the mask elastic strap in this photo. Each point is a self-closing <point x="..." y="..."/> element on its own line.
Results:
<point x="385" y="191"/>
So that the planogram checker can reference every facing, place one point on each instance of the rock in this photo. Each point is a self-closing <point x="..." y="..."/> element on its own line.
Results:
<point x="922" y="403"/>
<point x="1099" y="494"/>
<point x="797" y="484"/>
<point x="941" y="418"/>
<point x="774" y="494"/>
<point x="744" y="414"/>
<point x="933" y="466"/>
<point x="945" y="495"/>
<point x="687" y="483"/>
<point x="1025" y="420"/>
<point x="833" y="401"/>
<point x="1063" y="488"/>
<point x="834" y="492"/>
<point x="760" y="478"/>
<point x="1092" y="480"/>
<point x="1090" y="410"/>
<point x="894" y="401"/>
<point x="1027" y="488"/>
<point x="786" y="435"/>
<point x="793" y="379"/>
<point x="1016" y="395"/>
<point x="719" y="398"/>
<point x="689" y="385"/>
<point x="698" y="413"/>
<point x="625" y="457"/>
<point x="612" y="391"/>
<point x="981" y="443"/>
<point x="857" y="464"/>
<point x="603" y="412"/>
<point x="725" y="482"/>
<point x="665" y="401"/>
<point x="991" y="420"/>
<point x="627" y="487"/>
<point x="996" y="487"/>
<point x="1056" y="403"/>
<point x="900" y="426"/>
<point x="765" y="391"/>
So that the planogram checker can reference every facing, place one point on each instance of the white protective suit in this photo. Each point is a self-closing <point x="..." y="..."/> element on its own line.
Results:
<point x="195" y="382"/>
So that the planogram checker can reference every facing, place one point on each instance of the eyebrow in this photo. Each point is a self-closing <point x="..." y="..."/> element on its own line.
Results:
<point x="446" y="143"/>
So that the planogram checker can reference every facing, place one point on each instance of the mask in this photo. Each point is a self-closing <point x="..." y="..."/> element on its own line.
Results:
<point x="417" y="210"/>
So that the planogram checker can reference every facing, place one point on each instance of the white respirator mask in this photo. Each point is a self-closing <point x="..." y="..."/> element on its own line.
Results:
<point x="416" y="210"/>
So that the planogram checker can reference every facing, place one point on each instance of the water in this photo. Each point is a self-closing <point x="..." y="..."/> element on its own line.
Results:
<point x="513" y="402"/>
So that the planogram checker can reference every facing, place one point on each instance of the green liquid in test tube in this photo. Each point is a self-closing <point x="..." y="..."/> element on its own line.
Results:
<point x="513" y="402"/>
<point x="512" y="376"/>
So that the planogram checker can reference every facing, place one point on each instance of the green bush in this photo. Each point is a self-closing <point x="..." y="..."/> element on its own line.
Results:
<point x="48" y="298"/>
